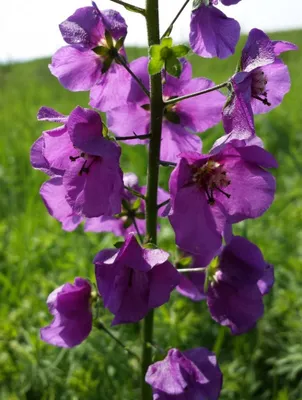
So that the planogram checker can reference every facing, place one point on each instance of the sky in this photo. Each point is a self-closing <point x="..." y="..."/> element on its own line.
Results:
<point x="29" y="28"/>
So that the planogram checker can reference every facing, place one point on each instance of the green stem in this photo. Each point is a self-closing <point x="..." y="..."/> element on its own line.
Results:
<point x="135" y="193"/>
<point x="189" y="96"/>
<point x="170" y="27"/>
<point x="157" y="107"/>
<point x="136" y="78"/>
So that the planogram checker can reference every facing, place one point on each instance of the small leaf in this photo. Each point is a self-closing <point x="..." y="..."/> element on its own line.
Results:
<point x="150" y="246"/>
<point x="136" y="205"/>
<point x="155" y="66"/>
<point x="127" y="223"/>
<point x="105" y="131"/>
<point x="107" y="64"/>
<point x="140" y="215"/>
<point x="180" y="50"/>
<point x="165" y="53"/>
<point x="120" y="43"/>
<point x="154" y="50"/>
<point x="135" y="9"/>
<point x="101" y="51"/>
<point x="118" y="245"/>
<point x="108" y="38"/>
<point x="168" y="32"/>
<point x="185" y="261"/>
<point x="167" y="42"/>
<point x="173" y="66"/>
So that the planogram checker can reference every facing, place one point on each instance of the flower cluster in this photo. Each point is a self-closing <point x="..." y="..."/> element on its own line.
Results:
<point x="208" y="192"/>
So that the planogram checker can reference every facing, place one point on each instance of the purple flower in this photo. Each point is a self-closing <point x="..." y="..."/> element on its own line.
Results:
<point x="238" y="280"/>
<point x="87" y="162"/>
<point x="260" y="84"/>
<point x="180" y="120"/>
<point x="70" y="306"/>
<point x="212" y="33"/>
<point x="208" y="192"/>
<point x="133" y="280"/>
<point x="95" y="42"/>
<point x="191" y="374"/>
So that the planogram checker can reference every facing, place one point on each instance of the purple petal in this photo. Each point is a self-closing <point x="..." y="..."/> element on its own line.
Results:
<point x="278" y="84"/>
<point x="115" y="24"/>
<point x="84" y="28"/>
<point x="175" y="140"/>
<point x="173" y="86"/>
<point x="49" y="114"/>
<point x="258" y="51"/>
<point x="203" y="112"/>
<point x="257" y="155"/>
<point x="53" y="196"/>
<point x="212" y="33"/>
<point x="76" y="70"/>
<point x="127" y="120"/>
<point x="189" y="288"/>
<point x="237" y="308"/>
<point x="105" y="224"/>
<point x="282" y="46"/>
<point x="164" y="278"/>
<point x="38" y="161"/>
<point x="96" y="193"/>
<point x="140" y="68"/>
<point x="229" y="2"/>
<point x="108" y="92"/>
<point x="266" y="282"/>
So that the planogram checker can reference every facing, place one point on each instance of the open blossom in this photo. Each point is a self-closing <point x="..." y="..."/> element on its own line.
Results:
<point x="261" y="83"/>
<point x="212" y="33"/>
<point x="134" y="280"/>
<point x="180" y="121"/>
<point x="71" y="309"/>
<point x="87" y="162"/>
<point x="95" y="41"/>
<point x="187" y="375"/>
<point x="210" y="191"/>
<point x="238" y="280"/>
<point x="53" y="195"/>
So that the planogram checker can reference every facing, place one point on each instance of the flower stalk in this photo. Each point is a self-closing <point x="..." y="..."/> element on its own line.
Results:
<point x="156" y="108"/>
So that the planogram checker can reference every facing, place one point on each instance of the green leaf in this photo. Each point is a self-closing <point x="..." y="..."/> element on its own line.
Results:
<point x="140" y="215"/>
<point x="105" y="130"/>
<point x="185" y="262"/>
<point x="135" y="9"/>
<point x="197" y="3"/>
<point x="120" y="43"/>
<point x="150" y="246"/>
<point x="180" y="50"/>
<point x="167" y="42"/>
<point x="101" y="51"/>
<point x="154" y="50"/>
<point x="155" y="66"/>
<point x="136" y="205"/>
<point x="127" y="223"/>
<point x="108" y="38"/>
<point x="168" y="32"/>
<point x="118" y="245"/>
<point x="173" y="66"/>
<point x="165" y="53"/>
<point x="107" y="64"/>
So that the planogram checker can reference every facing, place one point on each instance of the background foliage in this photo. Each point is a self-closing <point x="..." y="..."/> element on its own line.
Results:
<point x="36" y="256"/>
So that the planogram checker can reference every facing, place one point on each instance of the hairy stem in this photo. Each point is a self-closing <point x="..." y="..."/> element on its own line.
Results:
<point x="136" y="78"/>
<point x="188" y="96"/>
<point x="99" y="325"/>
<point x="135" y="136"/>
<point x="170" y="27"/>
<point x="157" y="106"/>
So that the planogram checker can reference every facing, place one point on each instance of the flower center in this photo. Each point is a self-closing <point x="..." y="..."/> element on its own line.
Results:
<point x="259" y="81"/>
<point x="85" y="166"/>
<point x="210" y="177"/>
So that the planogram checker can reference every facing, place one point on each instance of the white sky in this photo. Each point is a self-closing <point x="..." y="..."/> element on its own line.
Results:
<point x="29" y="28"/>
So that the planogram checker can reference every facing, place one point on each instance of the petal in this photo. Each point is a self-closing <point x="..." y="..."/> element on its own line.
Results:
<point x="111" y="90"/>
<point x="163" y="279"/>
<point x="97" y="193"/>
<point x="140" y="68"/>
<point x="237" y="308"/>
<point x="194" y="225"/>
<point x="115" y="24"/>
<point x="174" y="86"/>
<point x="258" y="51"/>
<point x="278" y="84"/>
<point x="49" y="114"/>
<point x="105" y="224"/>
<point x="175" y="140"/>
<point x="202" y="112"/>
<point x="37" y="159"/>
<point x="266" y="282"/>
<point x="129" y="120"/>
<point x="257" y="155"/>
<point x="189" y="289"/>
<point x="53" y="196"/>
<point x="282" y="46"/>
<point x="252" y="190"/>
<point x="76" y="70"/>
<point x="84" y="28"/>
<point x="212" y="33"/>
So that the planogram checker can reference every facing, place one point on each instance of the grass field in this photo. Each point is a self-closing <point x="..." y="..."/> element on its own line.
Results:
<point x="36" y="256"/>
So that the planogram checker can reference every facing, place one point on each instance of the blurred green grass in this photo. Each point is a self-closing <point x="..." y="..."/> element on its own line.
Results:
<point x="36" y="256"/>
